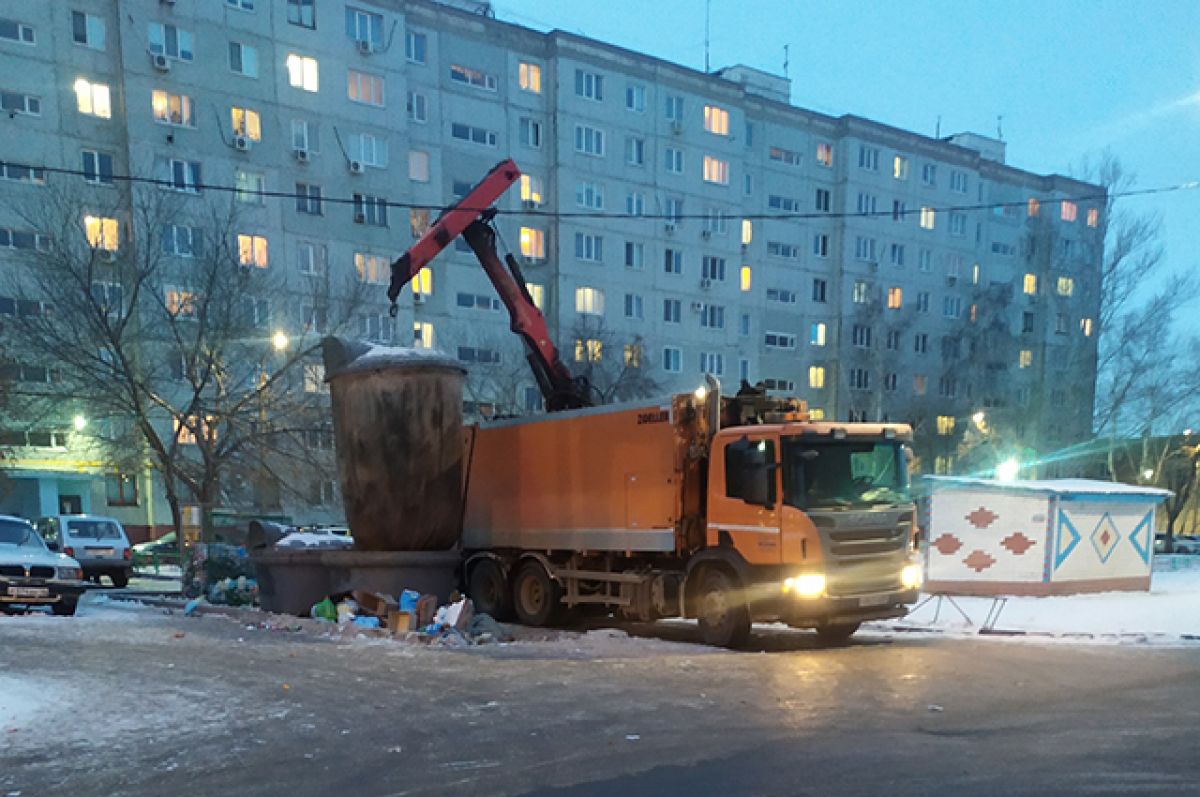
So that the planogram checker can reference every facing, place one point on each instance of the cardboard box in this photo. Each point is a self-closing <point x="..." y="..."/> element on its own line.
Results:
<point x="374" y="603"/>
<point x="400" y="621"/>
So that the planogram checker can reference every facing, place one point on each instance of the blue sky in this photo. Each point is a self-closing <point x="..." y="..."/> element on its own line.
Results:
<point x="1069" y="77"/>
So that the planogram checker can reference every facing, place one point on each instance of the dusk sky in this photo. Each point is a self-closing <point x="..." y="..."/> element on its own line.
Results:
<point x="1069" y="77"/>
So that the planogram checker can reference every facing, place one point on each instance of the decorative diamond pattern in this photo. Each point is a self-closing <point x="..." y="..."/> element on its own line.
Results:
<point x="1018" y="543"/>
<point x="981" y="518"/>
<point x="947" y="544"/>
<point x="1105" y="537"/>
<point x="979" y="560"/>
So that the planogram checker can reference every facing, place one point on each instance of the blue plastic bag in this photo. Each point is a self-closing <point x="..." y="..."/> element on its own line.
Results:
<point x="408" y="600"/>
<point x="366" y="622"/>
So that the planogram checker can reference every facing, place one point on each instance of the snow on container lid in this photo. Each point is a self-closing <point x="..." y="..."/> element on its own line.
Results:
<point x="1054" y="486"/>
<point x="356" y="356"/>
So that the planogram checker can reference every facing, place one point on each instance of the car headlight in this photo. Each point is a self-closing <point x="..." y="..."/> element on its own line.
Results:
<point x="809" y="585"/>
<point x="911" y="576"/>
<point x="69" y="573"/>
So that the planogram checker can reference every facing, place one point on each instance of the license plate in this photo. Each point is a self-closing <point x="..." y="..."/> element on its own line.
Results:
<point x="874" y="600"/>
<point x="100" y="551"/>
<point x="29" y="592"/>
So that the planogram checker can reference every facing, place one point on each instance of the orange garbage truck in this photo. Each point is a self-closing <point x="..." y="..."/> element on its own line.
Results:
<point x="730" y="509"/>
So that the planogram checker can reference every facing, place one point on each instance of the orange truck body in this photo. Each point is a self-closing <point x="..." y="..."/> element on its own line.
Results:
<point x="628" y="507"/>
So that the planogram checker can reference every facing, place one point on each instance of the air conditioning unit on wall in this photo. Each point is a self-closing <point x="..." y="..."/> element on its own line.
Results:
<point x="356" y="167"/>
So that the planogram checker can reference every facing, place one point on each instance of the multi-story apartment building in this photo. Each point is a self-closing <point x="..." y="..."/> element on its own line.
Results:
<point x="670" y="220"/>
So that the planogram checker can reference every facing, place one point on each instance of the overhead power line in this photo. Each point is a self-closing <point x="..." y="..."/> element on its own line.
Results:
<point x="556" y="214"/>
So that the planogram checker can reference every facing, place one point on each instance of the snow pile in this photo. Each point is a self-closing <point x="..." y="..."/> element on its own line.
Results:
<point x="312" y="539"/>
<point x="1170" y="610"/>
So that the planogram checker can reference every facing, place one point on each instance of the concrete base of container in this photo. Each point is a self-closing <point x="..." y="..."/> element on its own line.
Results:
<point x="291" y="581"/>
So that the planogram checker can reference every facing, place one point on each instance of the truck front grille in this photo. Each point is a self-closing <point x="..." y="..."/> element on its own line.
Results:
<point x="866" y="542"/>
<point x="41" y="571"/>
<point x="12" y="570"/>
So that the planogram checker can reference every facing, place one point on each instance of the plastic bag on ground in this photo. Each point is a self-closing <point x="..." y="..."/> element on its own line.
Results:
<point x="324" y="610"/>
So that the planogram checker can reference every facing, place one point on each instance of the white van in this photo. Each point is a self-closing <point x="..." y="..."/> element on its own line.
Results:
<point x="98" y="543"/>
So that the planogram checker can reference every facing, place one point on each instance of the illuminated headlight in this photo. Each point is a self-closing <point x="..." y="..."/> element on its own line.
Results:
<point x="911" y="576"/>
<point x="69" y="573"/>
<point x="809" y="585"/>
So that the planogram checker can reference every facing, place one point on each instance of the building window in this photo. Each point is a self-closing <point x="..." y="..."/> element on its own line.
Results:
<point x="1033" y="208"/>
<point x="311" y="258"/>
<point x="172" y="109"/>
<point x="635" y="151"/>
<point x="369" y="150"/>
<point x="365" y="88"/>
<point x="243" y="59"/>
<point x="170" y="41"/>
<point x="868" y="158"/>
<point x="308" y="199"/>
<point x="825" y="154"/>
<point x="860" y="379"/>
<point x="370" y="210"/>
<point x="418" y="166"/>
<point x="779" y="340"/>
<point x="672" y="311"/>
<point x="900" y="168"/>
<point x="864" y="248"/>
<point x="589" y="85"/>
<point x="475" y="135"/>
<point x="816" y="377"/>
<point x="180" y="241"/>
<point x="1085" y="326"/>
<point x="533" y="243"/>
<point x="952" y="306"/>
<point x="929" y="217"/>
<point x="1093" y="217"/>
<point x="958" y="224"/>
<point x="860" y="336"/>
<point x="302" y="13"/>
<point x="589" y="247"/>
<point x="716" y="170"/>
<point x="674" y="108"/>
<point x="635" y="98"/>
<point x="589" y="140"/>
<point x="1025" y="359"/>
<point x="945" y="425"/>
<point x="716" y="120"/>
<point x="529" y="77"/>
<point x="635" y="306"/>
<point x="892" y="342"/>
<point x="422" y="283"/>
<point x="958" y="182"/>
<point x="785" y="156"/>
<point x="635" y="255"/>
<point x="822" y="203"/>
<point x="245" y="122"/>
<point x="635" y="203"/>
<point x="947" y="387"/>
<point x="781" y="295"/>
<point x="589" y="301"/>
<point x="102" y="233"/>
<point x="895" y="298"/>
<point x="371" y="268"/>
<point x="929" y="175"/>
<point x="744" y="278"/>
<point x="364" y="26"/>
<point x="252" y="250"/>
<point x="779" y="249"/>
<point x="672" y="359"/>
<point x="1030" y="284"/>
<point x="712" y="363"/>
<point x="897" y="255"/>
<point x="919" y="385"/>
<point x="819" y="288"/>
<point x="712" y="317"/>
<point x="472" y="77"/>
<point x="181" y="175"/>
<point x="303" y="72"/>
<point x="249" y="187"/>
<point x="674" y="208"/>
<point x="120" y="489"/>
<point x="97" y="167"/>
<point x="529" y="132"/>
<point x="1066" y="286"/>
<point x="91" y="99"/>
<point x="674" y="160"/>
<point x="16" y="103"/>
<point x="816" y="334"/>
<point x="86" y="29"/>
<point x="747" y="232"/>
<point x="305" y="136"/>
<point x="673" y="261"/>
<point x="1068" y="211"/>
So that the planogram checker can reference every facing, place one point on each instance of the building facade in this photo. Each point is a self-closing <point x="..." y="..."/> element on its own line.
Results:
<point x="669" y="221"/>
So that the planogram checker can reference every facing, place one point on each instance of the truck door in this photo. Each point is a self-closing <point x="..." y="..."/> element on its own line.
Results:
<point x="744" y="496"/>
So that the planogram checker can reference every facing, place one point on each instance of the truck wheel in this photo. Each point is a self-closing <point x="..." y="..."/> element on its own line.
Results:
<point x="536" y="596"/>
<point x="120" y="579"/>
<point x="64" y="608"/>
<point x="834" y="634"/>
<point x="489" y="590"/>
<point x="724" y="618"/>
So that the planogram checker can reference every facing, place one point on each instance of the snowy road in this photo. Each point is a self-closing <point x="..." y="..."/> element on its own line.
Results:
<point x="124" y="700"/>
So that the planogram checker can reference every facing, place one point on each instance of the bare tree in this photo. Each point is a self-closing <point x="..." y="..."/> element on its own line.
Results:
<point x="151" y="311"/>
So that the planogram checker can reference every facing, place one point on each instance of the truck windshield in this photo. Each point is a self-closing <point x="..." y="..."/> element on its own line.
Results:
<point x="843" y="473"/>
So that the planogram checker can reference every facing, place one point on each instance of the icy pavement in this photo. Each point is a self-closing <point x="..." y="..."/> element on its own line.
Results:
<point x="1168" y="613"/>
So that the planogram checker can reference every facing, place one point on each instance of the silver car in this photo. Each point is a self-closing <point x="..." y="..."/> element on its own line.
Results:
<point x="31" y="574"/>
<point x="98" y="543"/>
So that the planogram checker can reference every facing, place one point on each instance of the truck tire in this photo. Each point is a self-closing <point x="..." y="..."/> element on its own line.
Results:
<point x="835" y="634"/>
<point x="536" y="597"/>
<point x="724" y="618"/>
<point x="489" y="590"/>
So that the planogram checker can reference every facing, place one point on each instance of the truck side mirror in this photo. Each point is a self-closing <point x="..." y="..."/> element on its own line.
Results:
<point x="750" y="471"/>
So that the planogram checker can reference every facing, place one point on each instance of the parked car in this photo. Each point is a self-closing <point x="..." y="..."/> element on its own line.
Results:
<point x="1187" y="543"/>
<point x="163" y="551"/>
<point x="31" y="574"/>
<point x="98" y="543"/>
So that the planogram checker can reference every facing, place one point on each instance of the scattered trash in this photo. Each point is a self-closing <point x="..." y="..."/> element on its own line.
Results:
<point x="632" y="737"/>
<point x="210" y="564"/>
<point x="180" y="634"/>
<point x="190" y="608"/>
<point x="408" y="600"/>
<point x="324" y="610"/>
<point x="395" y="749"/>
<point x="286" y="687"/>
<point x="935" y="707"/>
<point x="367" y="622"/>
<point x="240" y="591"/>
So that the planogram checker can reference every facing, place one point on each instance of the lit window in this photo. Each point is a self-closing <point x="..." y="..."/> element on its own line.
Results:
<point x="816" y="414"/>
<point x="422" y="335"/>
<point x="745" y="278"/>
<point x="93" y="98"/>
<point x="633" y="355"/>
<point x="589" y="301"/>
<point x="1031" y="284"/>
<point x="422" y="283"/>
<point x="825" y="154"/>
<point x="716" y="171"/>
<point x="900" y="168"/>
<point x="588" y="350"/>
<point x="945" y="425"/>
<point x="372" y="268"/>
<point x="472" y="77"/>
<point x="365" y="88"/>
<point x="1026" y="358"/>
<point x="1066" y="286"/>
<point x="172" y="109"/>
<point x="245" y="123"/>
<point x="529" y="77"/>
<point x="716" y="120"/>
<point x="895" y="297"/>
<point x="533" y="243"/>
<point x="531" y="190"/>
<point x="1093" y="217"/>
<point x="1069" y="211"/>
<point x="816" y="377"/>
<point x="1085" y="326"/>
<point x="303" y="72"/>
<point x="928" y="216"/>
<point x="747" y="232"/>
<point x="252" y="250"/>
<point x="538" y="294"/>
<point x="816" y="335"/>
<point x="1034" y="208"/>
<point x="180" y="302"/>
<point x="101" y="233"/>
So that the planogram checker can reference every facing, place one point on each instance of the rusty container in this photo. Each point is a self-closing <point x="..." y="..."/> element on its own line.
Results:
<point x="397" y="422"/>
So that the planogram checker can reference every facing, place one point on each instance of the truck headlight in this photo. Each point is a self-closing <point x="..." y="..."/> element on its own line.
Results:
<point x="809" y="585"/>
<point x="911" y="576"/>
<point x="69" y="573"/>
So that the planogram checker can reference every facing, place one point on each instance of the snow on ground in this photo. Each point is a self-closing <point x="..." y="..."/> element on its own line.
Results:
<point x="1169" y="612"/>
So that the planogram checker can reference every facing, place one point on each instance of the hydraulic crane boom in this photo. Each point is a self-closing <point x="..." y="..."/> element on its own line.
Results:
<point x="470" y="218"/>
